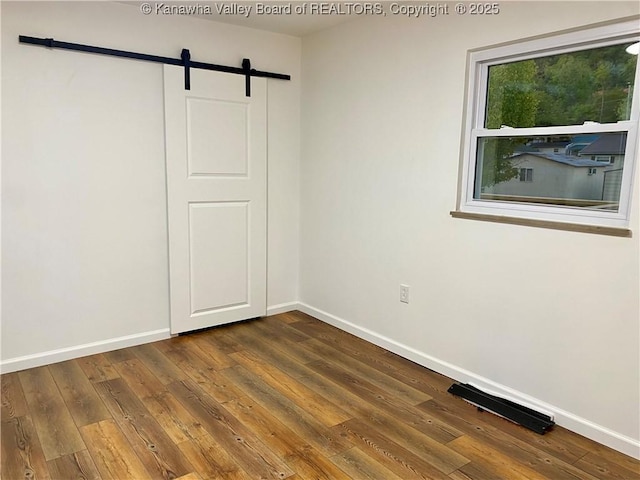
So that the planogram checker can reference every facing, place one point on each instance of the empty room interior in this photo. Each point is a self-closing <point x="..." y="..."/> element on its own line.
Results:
<point x="263" y="240"/>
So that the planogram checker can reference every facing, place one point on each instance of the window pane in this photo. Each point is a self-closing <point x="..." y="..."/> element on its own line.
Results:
<point x="528" y="170"/>
<point x="593" y="85"/>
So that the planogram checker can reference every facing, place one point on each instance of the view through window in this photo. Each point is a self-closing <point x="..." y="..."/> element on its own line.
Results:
<point x="576" y="168"/>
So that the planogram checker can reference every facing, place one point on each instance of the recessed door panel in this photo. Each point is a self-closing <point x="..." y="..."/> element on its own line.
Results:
<point x="217" y="137"/>
<point x="218" y="263"/>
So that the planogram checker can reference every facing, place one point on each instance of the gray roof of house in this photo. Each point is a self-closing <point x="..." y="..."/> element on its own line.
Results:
<point x="550" y="144"/>
<point x="564" y="159"/>
<point x="607" y="144"/>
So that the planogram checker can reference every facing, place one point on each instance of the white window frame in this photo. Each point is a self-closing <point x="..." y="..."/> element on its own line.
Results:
<point x="528" y="175"/>
<point x="478" y="65"/>
<point x="604" y="159"/>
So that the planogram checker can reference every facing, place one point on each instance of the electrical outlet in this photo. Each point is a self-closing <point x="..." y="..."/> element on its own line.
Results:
<point x="404" y="293"/>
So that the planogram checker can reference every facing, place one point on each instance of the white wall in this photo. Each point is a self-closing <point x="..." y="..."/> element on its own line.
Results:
<point x="84" y="238"/>
<point x="547" y="315"/>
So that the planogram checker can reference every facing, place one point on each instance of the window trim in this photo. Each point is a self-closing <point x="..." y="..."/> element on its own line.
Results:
<point x="526" y="175"/>
<point x="478" y="63"/>
<point x="606" y="159"/>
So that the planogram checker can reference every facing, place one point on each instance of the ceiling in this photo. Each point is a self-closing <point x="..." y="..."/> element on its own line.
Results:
<point x="246" y="14"/>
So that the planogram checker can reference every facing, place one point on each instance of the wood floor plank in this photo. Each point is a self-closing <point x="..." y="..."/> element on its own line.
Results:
<point x="78" y="393"/>
<point x="299" y="455"/>
<point x="308" y="462"/>
<point x="372" y="375"/>
<point x="336" y="337"/>
<point x="139" y="378"/>
<point x="362" y="467"/>
<point x="455" y="412"/>
<point x="207" y="344"/>
<point x="223" y="341"/>
<point x="417" y="442"/>
<point x="327" y="412"/>
<point x="190" y="476"/>
<point x="300" y="353"/>
<point x="347" y="400"/>
<point x="55" y="426"/>
<point x="12" y="397"/>
<point x="165" y="370"/>
<point x="401" y="433"/>
<point x="297" y="419"/>
<point x="111" y="452"/>
<point x="22" y="455"/>
<point x="404" y="370"/>
<point x="558" y="445"/>
<point x="173" y="417"/>
<point x="433" y="452"/>
<point x="117" y="356"/>
<point x="253" y="339"/>
<point x="97" y="368"/>
<point x="252" y="454"/>
<point x="387" y="424"/>
<point x="197" y="367"/>
<point x="411" y="373"/>
<point x="282" y="440"/>
<point x="289" y="364"/>
<point x="605" y="453"/>
<point x="496" y="464"/>
<point x="433" y="463"/>
<point x="422" y="421"/>
<point x="210" y="459"/>
<point x="289" y="317"/>
<point x="77" y="466"/>
<point x="603" y="469"/>
<point x="274" y="328"/>
<point x="159" y="455"/>
<point x="474" y="471"/>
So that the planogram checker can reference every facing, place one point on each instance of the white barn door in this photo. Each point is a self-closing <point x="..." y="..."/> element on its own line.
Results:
<point x="216" y="140"/>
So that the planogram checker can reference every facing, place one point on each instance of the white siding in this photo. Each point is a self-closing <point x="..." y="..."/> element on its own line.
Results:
<point x="554" y="180"/>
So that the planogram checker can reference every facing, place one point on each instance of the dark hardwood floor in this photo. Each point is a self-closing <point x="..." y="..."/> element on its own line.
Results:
<point x="284" y="397"/>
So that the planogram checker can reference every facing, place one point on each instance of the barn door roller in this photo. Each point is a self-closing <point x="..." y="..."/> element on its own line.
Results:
<point x="184" y="60"/>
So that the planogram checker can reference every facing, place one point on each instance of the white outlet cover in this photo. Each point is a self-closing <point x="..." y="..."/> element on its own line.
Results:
<point x="404" y="293"/>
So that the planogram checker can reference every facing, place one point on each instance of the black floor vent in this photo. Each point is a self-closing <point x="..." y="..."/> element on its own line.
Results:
<point x="536" y="421"/>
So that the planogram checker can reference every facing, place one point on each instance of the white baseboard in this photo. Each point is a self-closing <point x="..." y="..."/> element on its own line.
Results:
<point x="62" y="354"/>
<point x="283" y="308"/>
<point x="77" y="351"/>
<point x="575" y="423"/>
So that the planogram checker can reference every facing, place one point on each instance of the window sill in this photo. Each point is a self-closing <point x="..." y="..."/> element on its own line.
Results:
<point x="571" y="227"/>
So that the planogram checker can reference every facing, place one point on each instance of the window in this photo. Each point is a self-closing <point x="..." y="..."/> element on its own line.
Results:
<point x="602" y="158"/>
<point x="557" y="105"/>
<point x="526" y="174"/>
